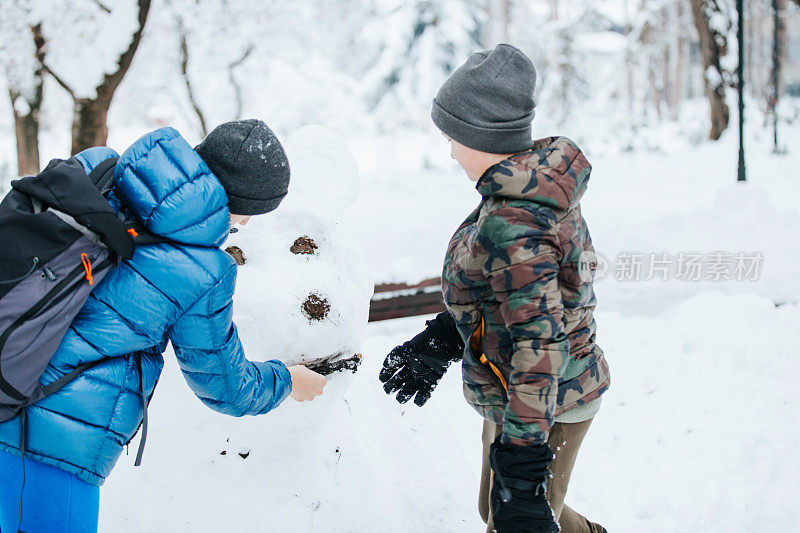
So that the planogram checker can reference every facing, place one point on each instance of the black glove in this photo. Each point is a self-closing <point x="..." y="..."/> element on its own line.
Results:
<point x="518" y="497"/>
<point x="417" y="366"/>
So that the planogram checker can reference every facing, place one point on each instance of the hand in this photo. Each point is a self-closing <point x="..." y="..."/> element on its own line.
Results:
<point x="306" y="384"/>
<point x="414" y="368"/>
<point x="519" y="502"/>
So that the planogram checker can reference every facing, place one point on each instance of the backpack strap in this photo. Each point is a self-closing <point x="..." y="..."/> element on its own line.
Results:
<point x="141" y="235"/>
<point x="64" y="186"/>
<point x="23" y="439"/>
<point x="103" y="175"/>
<point x="139" y="453"/>
<point x="59" y="384"/>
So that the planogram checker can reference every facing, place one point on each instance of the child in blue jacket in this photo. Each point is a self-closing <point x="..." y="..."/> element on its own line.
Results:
<point x="180" y="292"/>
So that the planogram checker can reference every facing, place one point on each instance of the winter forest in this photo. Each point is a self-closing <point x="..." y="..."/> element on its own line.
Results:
<point x="698" y="297"/>
<point x="80" y="66"/>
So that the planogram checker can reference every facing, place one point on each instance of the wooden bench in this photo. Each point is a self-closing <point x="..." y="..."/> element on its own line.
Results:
<point x="399" y="300"/>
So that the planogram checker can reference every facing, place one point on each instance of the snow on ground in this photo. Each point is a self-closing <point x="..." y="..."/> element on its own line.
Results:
<point x="361" y="464"/>
<point x="699" y="430"/>
<point x="697" y="434"/>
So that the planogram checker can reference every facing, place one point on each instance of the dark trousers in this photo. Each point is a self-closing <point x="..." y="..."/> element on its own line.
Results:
<point x="565" y="441"/>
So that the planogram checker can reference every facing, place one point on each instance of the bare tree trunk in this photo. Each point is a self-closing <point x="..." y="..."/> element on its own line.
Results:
<point x="505" y="33"/>
<point x="757" y="71"/>
<point x="26" y="123"/>
<point x="629" y="63"/>
<point x="566" y="74"/>
<point x="780" y="46"/>
<point x="652" y="57"/>
<point x="668" y="53"/>
<point x="713" y="45"/>
<point x="667" y="56"/>
<point x="89" y="127"/>
<point x="187" y="80"/>
<point x="26" y="129"/>
<point x="677" y="59"/>
<point x="498" y="22"/>
<point x="237" y="88"/>
<point x="778" y="56"/>
<point x="487" y="33"/>
<point x="651" y="76"/>
<point x="750" y="24"/>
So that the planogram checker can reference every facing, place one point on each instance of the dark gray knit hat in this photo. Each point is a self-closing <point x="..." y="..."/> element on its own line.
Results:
<point x="487" y="103"/>
<point x="250" y="163"/>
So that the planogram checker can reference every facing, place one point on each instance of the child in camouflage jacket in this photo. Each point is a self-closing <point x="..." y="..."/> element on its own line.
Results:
<point x="519" y="297"/>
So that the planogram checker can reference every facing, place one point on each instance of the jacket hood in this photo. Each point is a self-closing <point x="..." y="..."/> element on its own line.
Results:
<point x="171" y="190"/>
<point x="554" y="173"/>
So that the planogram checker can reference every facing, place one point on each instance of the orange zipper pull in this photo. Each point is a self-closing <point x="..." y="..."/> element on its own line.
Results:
<point x="476" y="344"/>
<point x="485" y="361"/>
<point x="133" y="233"/>
<point x="87" y="266"/>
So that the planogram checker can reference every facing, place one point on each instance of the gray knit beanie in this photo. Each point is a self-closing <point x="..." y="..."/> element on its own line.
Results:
<point x="250" y="163"/>
<point x="487" y="104"/>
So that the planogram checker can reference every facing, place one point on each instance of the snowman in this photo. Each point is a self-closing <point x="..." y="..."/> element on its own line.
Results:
<point x="302" y="292"/>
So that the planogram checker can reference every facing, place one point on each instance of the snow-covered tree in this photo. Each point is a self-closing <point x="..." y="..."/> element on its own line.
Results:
<point x="714" y="20"/>
<point x="658" y="47"/>
<point x="776" y="71"/>
<point x="417" y="44"/>
<point x="22" y="51"/>
<point x="568" y="50"/>
<point x="90" y="47"/>
<point x="214" y="39"/>
<point x="497" y="22"/>
<point x="286" y="62"/>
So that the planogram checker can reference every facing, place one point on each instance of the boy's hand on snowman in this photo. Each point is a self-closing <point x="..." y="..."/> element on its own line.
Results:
<point x="306" y="384"/>
<point x="415" y="367"/>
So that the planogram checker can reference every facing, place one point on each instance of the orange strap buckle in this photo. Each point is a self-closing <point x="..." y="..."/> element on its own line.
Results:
<point x="87" y="266"/>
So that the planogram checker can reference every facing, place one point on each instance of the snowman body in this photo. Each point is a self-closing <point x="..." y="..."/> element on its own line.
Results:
<point x="302" y="293"/>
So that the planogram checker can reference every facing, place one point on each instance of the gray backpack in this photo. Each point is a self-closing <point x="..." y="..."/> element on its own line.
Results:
<point x="59" y="237"/>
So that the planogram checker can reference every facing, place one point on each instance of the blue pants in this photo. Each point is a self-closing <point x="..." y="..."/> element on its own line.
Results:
<point x="53" y="500"/>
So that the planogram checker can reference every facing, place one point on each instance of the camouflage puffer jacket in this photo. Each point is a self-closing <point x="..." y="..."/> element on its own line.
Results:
<point x="513" y="281"/>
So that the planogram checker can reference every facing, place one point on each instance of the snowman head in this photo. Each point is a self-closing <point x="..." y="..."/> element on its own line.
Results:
<point x="324" y="173"/>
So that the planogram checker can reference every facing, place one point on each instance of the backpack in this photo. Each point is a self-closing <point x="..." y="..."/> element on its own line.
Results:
<point x="59" y="237"/>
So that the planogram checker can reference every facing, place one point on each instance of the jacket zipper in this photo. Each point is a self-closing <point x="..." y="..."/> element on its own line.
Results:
<point x="55" y="295"/>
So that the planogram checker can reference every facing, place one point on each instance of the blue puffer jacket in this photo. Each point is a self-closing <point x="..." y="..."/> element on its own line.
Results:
<point x="179" y="292"/>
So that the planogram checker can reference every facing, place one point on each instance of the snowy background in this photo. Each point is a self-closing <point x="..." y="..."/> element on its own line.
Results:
<point x="699" y="430"/>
